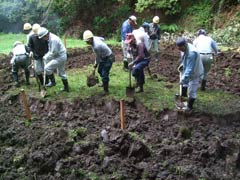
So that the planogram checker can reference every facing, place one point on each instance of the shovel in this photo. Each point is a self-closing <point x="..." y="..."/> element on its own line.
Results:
<point x="178" y="98"/>
<point x="92" y="80"/>
<point x="43" y="91"/>
<point x="130" y="89"/>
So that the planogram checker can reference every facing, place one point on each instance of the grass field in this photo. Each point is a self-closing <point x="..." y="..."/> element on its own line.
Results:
<point x="7" y="41"/>
<point x="157" y="95"/>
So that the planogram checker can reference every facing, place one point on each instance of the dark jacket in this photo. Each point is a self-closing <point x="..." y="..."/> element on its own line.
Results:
<point x="39" y="47"/>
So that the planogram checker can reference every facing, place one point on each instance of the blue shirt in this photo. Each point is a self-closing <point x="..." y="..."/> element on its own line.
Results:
<point x="192" y="65"/>
<point x="126" y="28"/>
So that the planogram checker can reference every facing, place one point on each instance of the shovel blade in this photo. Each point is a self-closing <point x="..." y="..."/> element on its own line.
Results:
<point x="43" y="93"/>
<point x="129" y="91"/>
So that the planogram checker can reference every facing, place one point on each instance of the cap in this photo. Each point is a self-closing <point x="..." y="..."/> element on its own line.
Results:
<point x="133" y="18"/>
<point x="181" y="41"/>
<point x="202" y="31"/>
<point x="145" y="25"/>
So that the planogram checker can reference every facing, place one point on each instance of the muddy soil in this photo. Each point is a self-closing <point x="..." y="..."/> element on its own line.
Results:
<point x="83" y="139"/>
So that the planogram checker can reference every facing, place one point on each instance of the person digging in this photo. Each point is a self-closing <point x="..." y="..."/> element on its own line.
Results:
<point x="20" y="59"/>
<point x="141" y="58"/>
<point x="55" y="58"/>
<point x="104" y="57"/>
<point x="192" y="71"/>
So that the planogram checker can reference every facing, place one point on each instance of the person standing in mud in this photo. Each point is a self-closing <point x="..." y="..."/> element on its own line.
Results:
<point x="141" y="58"/>
<point x="104" y="57"/>
<point x="206" y="47"/>
<point x="55" y="58"/>
<point x="38" y="48"/>
<point x="192" y="70"/>
<point x="154" y="34"/>
<point x="127" y="27"/>
<point x="20" y="58"/>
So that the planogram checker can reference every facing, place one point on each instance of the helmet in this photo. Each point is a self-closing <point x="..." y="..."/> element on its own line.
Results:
<point x="42" y="31"/>
<point x="87" y="35"/>
<point x="35" y="28"/>
<point x="134" y="19"/>
<point x="16" y="43"/>
<point x="27" y="26"/>
<point x="156" y="19"/>
<point x="202" y="31"/>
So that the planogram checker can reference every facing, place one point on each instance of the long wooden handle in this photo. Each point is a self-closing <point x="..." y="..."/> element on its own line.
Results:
<point x="130" y="81"/>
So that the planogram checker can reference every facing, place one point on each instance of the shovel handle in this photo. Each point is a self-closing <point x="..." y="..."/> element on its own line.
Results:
<point x="130" y="81"/>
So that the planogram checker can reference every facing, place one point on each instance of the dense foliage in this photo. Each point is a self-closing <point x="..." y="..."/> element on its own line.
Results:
<point x="105" y="17"/>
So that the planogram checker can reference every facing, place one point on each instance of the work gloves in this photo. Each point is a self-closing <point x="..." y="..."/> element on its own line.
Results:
<point x="130" y="65"/>
<point x="95" y="65"/>
<point x="31" y="54"/>
<point x="184" y="80"/>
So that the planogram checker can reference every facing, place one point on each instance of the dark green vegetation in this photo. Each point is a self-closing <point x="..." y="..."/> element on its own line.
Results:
<point x="73" y="17"/>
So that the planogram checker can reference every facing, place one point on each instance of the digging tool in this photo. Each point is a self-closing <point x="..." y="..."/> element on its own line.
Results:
<point x="92" y="80"/>
<point x="43" y="92"/>
<point x="130" y="89"/>
<point x="179" y="98"/>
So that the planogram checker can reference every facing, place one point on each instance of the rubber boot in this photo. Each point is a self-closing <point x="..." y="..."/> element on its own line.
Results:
<point x="27" y="75"/>
<point x="156" y="56"/>
<point x="105" y="87"/>
<point x="65" y="84"/>
<point x="40" y="77"/>
<point x="52" y="81"/>
<point x="15" y="78"/>
<point x="189" y="105"/>
<point x="203" y="85"/>
<point x="125" y="65"/>
<point x="140" y="88"/>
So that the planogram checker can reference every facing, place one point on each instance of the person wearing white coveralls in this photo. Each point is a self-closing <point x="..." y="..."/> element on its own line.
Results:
<point x="192" y="70"/>
<point x="55" y="58"/>
<point x="206" y="47"/>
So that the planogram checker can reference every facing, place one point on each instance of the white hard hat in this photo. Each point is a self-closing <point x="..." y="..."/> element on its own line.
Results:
<point x="133" y="18"/>
<point x="35" y="28"/>
<point x="156" y="19"/>
<point x="16" y="43"/>
<point x="27" y="26"/>
<point x="87" y="35"/>
<point x="42" y="31"/>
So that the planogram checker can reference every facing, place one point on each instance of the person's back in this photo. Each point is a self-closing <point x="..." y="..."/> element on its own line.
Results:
<point x="19" y="59"/>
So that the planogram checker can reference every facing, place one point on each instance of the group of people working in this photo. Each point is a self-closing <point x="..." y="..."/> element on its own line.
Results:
<point x="49" y="54"/>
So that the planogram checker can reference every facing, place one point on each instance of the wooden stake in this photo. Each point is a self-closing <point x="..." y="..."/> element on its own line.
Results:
<point x="65" y="42"/>
<point x="122" y="114"/>
<point x="25" y="103"/>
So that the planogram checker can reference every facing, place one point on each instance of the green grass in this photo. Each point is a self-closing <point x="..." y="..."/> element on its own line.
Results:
<point x="156" y="96"/>
<point x="7" y="41"/>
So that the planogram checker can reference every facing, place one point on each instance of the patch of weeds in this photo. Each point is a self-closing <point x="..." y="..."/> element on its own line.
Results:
<point x="136" y="137"/>
<point x="185" y="132"/>
<point x="92" y="176"/>
<point x="179" y="171"/>
<point x="145" y="175"/>
<point x="101" y="151"/>
<point x="74" y="133"/>
<point x="27" y="122"/>
<point x="227" y="72"/>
